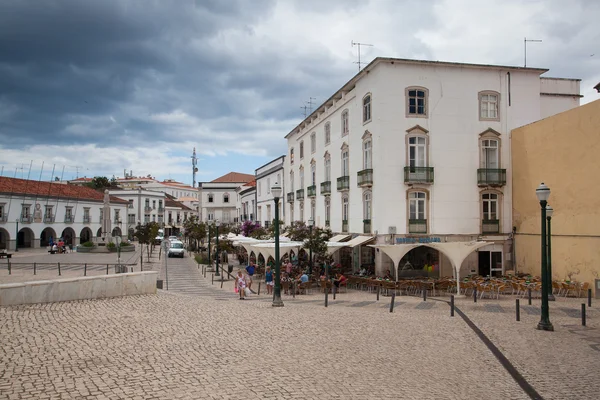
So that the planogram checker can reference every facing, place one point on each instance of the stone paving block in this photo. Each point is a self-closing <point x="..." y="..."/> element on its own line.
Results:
<point x="425" y="305"/>
<point x="495" y="308"/>
<point x="531" y="310"/>
<point x="362" y="304"/>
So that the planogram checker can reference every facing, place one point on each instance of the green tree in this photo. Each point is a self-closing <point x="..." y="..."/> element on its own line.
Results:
<point x="298" y="231"/>
<point x="317" y="242"/>
<point x="194" y="231"/>
<point x="99" y="182"/>
<point x="146" y="234"/>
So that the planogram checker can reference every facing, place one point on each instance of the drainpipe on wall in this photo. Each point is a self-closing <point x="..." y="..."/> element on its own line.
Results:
<point x="514" y="249"/>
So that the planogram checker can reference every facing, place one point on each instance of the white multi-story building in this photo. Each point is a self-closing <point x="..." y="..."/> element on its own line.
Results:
<point x="218" y="198"/>
<point x="143" y="206"/>
<point x="246" y="202"/>
<point x="418" y="151"/>
<point x="32" y="212"/>
<point x="266" y="177"/>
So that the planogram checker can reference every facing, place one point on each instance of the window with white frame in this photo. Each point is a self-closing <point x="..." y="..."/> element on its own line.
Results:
<point x="490" y="206"/>
<point x="345" y="161"/>
<point x="489" y="154"/>
<point x="416" y="101"/>
<point x="367" y="108"/>
<point x="48" y="214"/>
<point x="226" y="198"/>
<point x="292" y="156"/>
<point x="345" y="208"/>
<point x="367" y="154"/>
<point x="416" y="204"/>
<point x="313" y="173"/>
<point x="211" y="198"/>
<point x="226" y="217"/>
<point x="154" y="204"/>
<point x="488" y="106"/>
<point x="259" y="214"/>
<point x="327" y="133"/>
<point x="301" y="211"/>
<point x="345" y="123"/>
<point x="269" y="219"/>
<point x="367" y="205"/>
<point x="327" y="167"/>
<point x="69" y="214"/>
<point x="301" y="177"/>
<point x="313" y="142"/>
<point x="417" y="152"/>
<point x="210" y="215"/>
<point x="301" y="150"/>
<point x="3" y="216"/>
<point x="327" y="209"/>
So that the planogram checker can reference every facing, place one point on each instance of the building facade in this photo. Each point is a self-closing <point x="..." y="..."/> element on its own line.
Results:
<point x="266" y="177"/>
<point x="246" y="203"/>
<point x="143" y="206"/>
<point x="32" y="212"/>
<point x="218" y="198"/>
<point x="559" y="151"/>
<point x="417" y="151"/>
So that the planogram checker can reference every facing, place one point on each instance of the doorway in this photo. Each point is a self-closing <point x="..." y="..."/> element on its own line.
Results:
<point x="490" y="263"/>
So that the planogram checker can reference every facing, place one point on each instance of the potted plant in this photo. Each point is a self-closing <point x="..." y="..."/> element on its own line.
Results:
<point x="127" y="247"/>
<point x="111" y="247"/>
<point x="85" y="247"/>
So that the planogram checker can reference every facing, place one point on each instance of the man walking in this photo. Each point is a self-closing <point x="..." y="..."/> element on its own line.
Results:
<point x="250" y="269"/>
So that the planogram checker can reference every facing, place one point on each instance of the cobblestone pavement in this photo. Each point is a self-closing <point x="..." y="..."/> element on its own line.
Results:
<point x="206" y="344"/>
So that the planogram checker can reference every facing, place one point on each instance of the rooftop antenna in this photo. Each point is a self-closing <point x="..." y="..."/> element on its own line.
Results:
<point x="310" y="104"/>
<point x="525" y="40"/>
<point x="305" y="108"/>
<point x="194" y="168"/>
<point x="77" y="168"/>
<point x="359" y="44"/>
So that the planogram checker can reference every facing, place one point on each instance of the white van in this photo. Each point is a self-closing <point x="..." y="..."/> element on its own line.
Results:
<point x="176" y="249"/>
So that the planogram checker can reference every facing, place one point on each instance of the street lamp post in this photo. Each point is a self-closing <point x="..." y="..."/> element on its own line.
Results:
<point x="217" y="224"/>
<point x="17" y="236"/>
<point x="543" y="193"/>
<point x="276" y="190"/>
<point x="311" y="223"/>
<point x="209" y="262"/>
<point x="549" y="212"/>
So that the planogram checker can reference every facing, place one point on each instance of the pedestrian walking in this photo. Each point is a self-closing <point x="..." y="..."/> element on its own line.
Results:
<point x="269" y="280"/>
<point x="240" y="283"/>
<point x="250" y="269"/>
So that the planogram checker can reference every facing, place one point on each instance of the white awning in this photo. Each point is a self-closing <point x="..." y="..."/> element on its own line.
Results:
<point x="357" y="241"/>
<point x="339" y="238"/>
<point x="332" y="247"/>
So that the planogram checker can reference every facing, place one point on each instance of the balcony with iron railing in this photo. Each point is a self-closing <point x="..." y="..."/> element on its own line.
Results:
<point x="344" y="226"/>
<point x="27" y="219"/>
<point x="417" y="226"/>
<point x="86" y="219"/>
<point x="147" y="209"/>
<point x="343" y="183"/>
<point x="490" y="226"/>
<point x="366" y="226"/>
<point x="326" y="188"/>
<point x="3" y="218"/>
<point x="290" y="197"/>
<point x="49" y="219"/>
<point x="131" y="220"/>
<point x="365" y="177"/>
<point x="130" y="205"/>
<point x="161" y="210"/>
<point x="69" y="219"/>
<point x="418" y="174"/>
<point x="300" y="194"/>
<point x="491" y="177"/>
<point x="311" y="191"/>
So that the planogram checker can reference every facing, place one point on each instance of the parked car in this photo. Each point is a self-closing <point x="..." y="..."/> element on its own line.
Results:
<point x="173" y="238"/>
<point x="176" y="249"/>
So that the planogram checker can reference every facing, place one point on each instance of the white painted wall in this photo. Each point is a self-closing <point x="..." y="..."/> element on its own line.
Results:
<point x="225" y="212"/>
<point x="454" y="127"/>
<point x="266" y="177"/>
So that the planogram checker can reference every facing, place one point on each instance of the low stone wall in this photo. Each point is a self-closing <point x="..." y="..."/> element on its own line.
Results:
<point x="89" y="287"/>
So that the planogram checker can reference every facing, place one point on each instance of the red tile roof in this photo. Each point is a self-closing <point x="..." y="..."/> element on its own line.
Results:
<point x="251" y="183"/>
<point x="52" y="189"/>
<point x="172" y="203"/>
<point x="234" y="177"/>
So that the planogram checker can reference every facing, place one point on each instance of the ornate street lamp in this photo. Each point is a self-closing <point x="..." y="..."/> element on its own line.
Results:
<point x="549" y="212"/>
<point x="276" y="190"/>
<point x="217" y="224"/>
<point x="543" y="193"/>
<point x="311" y="223"/>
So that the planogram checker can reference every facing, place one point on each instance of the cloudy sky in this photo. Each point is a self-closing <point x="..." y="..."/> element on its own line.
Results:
<point x="99" y="86"/>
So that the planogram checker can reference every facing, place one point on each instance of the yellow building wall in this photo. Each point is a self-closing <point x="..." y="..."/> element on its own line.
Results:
<point x="563" y="151"/>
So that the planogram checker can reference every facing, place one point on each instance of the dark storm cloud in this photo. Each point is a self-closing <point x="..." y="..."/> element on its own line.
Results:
<point x="89" y="59"/>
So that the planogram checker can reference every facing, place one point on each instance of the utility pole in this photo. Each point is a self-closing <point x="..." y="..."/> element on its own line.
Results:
<point x="359" y="44"/>
<point x="305" y="108"/>
<point x="310" y="104"/>
<point x="194" y="168"/>
<point x="525" y="40"/>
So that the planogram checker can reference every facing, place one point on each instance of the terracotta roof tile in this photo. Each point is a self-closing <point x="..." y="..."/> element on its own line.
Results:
<point x="172" y="203"/>
<point x="234" y="177"/>
<point x="52" y="189"/>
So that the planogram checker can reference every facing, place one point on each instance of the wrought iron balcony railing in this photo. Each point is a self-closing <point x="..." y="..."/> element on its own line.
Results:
<point x="300" y="194"/>
<point x="344" y="226"/>
<point x="326" y="187"/>
<point x="491" y="177"/>
<point x="311" y="191"/>
<point x="343" y="183"/>
<point x="290" y="198"/>
<point x="417" y="226"/>
<point x="366" y="226"/>
<point x="365" y="177"/>
<point x="490" y="226"/>
<point x="418" y="174"/>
